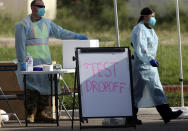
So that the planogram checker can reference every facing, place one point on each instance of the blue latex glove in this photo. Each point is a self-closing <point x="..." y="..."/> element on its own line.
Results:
<point x="81" y="37"/>
<point x="23" y="66"/>
<point x="154" y="63"/>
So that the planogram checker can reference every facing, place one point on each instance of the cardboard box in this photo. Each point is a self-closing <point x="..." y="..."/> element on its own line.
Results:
<point x="69" y="47"/>
<point x="8" y="79"/>
<point x="9" y="85"/>
<point x="0" y="120"/>
<point x="17" y="107"/>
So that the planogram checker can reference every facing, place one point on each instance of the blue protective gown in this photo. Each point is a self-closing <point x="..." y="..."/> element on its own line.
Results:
<point x="32" y="37"/>
<point x="148" y="90"/>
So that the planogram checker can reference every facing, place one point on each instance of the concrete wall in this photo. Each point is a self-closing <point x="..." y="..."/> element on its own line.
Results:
<point x="20" y="8"/>
<point x="13" y="8"/>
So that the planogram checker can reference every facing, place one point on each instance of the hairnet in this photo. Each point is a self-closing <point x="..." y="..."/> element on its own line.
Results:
<point x="145" y="11"/>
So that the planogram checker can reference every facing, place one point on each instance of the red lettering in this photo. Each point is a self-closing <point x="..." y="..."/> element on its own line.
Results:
<point x="94" y="85"/>
<point x="88" y="88"/>
<point x="104" y="86"/>
<point x="100" y="87"/>
<point x="99" y="70"/>
<point x="114" y="67"/>
<point x="93" y="69"/>
<point x="86" y="65"/>
<point x="109" y="72"/>
<point x="121" y="86"/>
<point x="115" y="85"/>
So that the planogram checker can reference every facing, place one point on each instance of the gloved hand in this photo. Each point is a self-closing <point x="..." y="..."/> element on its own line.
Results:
<point x="81" y="37"/>
<point x="154" y="63"/>
<point x="23" y="66"/>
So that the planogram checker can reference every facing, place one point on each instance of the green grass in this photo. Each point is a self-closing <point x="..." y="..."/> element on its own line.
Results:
<point x="7" y="54"/>
<point x="168" y="56"/>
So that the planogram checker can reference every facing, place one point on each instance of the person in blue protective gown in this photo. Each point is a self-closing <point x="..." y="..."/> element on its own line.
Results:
<point x="148" y="90"/>
<point x="31" y="37"/>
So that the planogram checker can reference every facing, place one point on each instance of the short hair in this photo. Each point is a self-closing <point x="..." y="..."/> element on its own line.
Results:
<point x="33" y="2"/>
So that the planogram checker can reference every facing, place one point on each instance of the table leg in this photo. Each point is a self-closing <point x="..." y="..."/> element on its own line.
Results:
<point x="25" y="100"/>
<point x="56" y="99"/>
<point x="51" y="100"/>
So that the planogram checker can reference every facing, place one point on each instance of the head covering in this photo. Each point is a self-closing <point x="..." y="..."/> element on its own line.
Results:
<point x="145" y="11"/>
<point x="33" y="2"/>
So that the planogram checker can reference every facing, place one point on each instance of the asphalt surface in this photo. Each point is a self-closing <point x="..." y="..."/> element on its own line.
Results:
<point x="150" y="118"/>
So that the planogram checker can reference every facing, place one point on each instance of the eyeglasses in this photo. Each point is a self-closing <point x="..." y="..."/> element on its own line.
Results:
<point x="39" y="6"/>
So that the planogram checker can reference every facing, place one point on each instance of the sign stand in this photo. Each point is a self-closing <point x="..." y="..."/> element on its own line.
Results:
<point x="121" y="89"/>
<point x="74" y="91"/>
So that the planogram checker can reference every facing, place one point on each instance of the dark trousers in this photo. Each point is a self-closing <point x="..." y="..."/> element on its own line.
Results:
<point x="135" y="111"/>
<point x="36" y="101"/>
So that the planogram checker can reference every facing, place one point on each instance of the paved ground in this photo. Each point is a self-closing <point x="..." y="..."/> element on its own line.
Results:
<point x="151" y="122"/>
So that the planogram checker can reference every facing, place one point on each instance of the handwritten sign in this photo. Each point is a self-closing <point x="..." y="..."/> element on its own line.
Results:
<point x="105" y="84"/>
<point x="101" y="70"/>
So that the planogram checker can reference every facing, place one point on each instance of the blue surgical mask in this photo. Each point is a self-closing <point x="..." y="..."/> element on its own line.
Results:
<point x="152" y="21"/>
<point x="41" y="12"/>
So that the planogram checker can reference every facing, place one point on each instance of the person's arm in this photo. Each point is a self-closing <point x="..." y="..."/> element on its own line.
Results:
<point x="60" y="33"/>
<point x="20" y="39"/>
<point x="140" y="46"/>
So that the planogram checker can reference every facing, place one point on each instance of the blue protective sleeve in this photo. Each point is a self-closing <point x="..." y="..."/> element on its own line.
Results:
<point x="20" y="40"/>
<point x="60" y="33"/>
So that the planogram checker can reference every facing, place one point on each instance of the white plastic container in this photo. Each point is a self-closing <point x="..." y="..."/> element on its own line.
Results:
<point x="30" y="64"/>
<point x="48" y="67"/>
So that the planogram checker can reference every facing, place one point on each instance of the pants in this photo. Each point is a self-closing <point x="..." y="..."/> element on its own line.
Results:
<point x="36" y="101"/>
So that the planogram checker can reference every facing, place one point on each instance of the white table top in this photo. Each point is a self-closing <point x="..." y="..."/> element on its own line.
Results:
<point x="62" y="71"/>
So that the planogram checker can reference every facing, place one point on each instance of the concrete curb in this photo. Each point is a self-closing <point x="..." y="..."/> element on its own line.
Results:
<point x="147" y="111"/>
<point x="153" y="111"/>
<point x="142" y="111"/>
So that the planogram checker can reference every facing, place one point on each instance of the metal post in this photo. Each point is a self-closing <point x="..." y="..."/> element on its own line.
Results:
<point x="116" y="23"/>
<point x="56" y="99"/>
<point x="180" y="55"/>
<point x="25" y="100"/>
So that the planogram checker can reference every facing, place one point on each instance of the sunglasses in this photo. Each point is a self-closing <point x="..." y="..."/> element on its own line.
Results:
<point x="39" y="6"/>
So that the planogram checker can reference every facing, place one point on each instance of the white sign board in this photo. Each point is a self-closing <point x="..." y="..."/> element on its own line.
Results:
<point x="69" y="47"/>
<point x="105" y="87"/>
